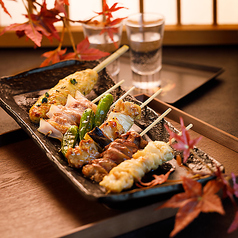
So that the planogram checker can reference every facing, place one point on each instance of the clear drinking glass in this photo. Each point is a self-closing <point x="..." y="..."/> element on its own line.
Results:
<point x="145" y="35"/>
<point x="105" y="39"/>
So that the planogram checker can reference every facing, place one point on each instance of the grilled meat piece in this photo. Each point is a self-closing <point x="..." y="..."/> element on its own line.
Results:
<point x="123" y="176"/>
<point x="116" y="152"/>
<point x="82" y="81"/>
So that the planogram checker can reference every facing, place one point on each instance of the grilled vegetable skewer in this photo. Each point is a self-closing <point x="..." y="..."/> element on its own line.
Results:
<point x="82" y="81"/>
<point x="70" y="138"/>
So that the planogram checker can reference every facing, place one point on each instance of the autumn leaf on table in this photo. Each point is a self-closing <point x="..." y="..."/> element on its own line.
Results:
<point x="158" y="179"/>
<point x="235" y="185"/>
<point x="84" y="52"/>
<point x="193" y="201"/>
<point x="228" y="191"/>
<point x="234" y="224"/>
<point x="184" y="143"/>
<point x="53" y="56"/>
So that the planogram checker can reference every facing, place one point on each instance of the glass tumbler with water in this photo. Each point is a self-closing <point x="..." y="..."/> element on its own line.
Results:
<point x="105" y="39"/>
<point x="145" y="34"/>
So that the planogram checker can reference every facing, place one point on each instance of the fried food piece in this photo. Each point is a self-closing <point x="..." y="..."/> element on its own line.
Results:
<point x="82" y="81"/>
<point x="126" y="173"/>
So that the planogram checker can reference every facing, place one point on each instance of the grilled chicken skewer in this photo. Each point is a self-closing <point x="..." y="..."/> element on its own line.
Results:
<point x="62" y="117"/>
<point x="82" y="81"/>
<point x="119" y="122"/>
<point x="118" y="151"/>
<point x="124" y="175"/>
<point x="116" y="125"/>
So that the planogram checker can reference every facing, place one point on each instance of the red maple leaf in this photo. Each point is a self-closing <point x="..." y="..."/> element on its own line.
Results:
<point x="184" y="143"/>
<point x="60" y="6"/>
<point x="34" y="32"/>
<point x="111" y="30"/>
<point x="53" y="56"/>
<point x="234" y="224"/>
<point x="193" y="201"/>
<point x="84" y="52"/>
<point x="47" y="17"/>
<point x="107" y="11"/>
<point x="4" y="8"/>
<point x="235" y="185"/>
<point x="228" y="191"/>
<point x="158" y="179"/>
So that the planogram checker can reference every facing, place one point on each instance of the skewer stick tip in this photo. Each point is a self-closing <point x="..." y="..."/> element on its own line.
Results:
<point x="108" y="91"/>
<point x="156" y="121"/>
<point x="123" y="96"/>
<point x="111" y="58"/>
<point x="151" y="98"/>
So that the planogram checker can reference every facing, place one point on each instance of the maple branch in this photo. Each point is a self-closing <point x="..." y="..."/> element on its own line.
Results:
<point x="66" y="25"/>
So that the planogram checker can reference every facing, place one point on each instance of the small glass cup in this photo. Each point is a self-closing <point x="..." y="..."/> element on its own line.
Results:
<point x="145" y="35"/>
<point x="106" y="39"/>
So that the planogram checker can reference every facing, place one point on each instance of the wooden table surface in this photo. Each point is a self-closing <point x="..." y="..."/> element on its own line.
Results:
<point x="37" y="201"/>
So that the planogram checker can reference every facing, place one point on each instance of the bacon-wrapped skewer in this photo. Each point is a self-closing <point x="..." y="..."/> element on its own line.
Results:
<point x="62" y="117"/>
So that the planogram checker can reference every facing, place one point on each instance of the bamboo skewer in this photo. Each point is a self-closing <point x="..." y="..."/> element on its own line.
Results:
<point x="123" y="96"/>
<point x="109" y="90"/>
<point x="151" y="98"/>
<point x="111" y="58"/>
<point x="156" y="121"/>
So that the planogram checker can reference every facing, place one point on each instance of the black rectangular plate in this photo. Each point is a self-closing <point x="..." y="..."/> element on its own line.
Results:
<point x="18" y="94"/>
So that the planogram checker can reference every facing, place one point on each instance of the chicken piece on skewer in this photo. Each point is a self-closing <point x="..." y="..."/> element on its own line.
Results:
<point x="83" y="81"/>
<point x="116" y="152"/>
<point x="112" y="128"/>
<point x="126" y="173"/>
<point x="62" y="117"/>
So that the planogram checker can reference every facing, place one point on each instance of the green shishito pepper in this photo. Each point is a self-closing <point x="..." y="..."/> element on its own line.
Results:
<point x="103" y="108"/>
<point x="69" y="139"/>
<point x="86" y="122"/>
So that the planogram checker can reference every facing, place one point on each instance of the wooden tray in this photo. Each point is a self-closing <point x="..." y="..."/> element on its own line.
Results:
<point x="90" y="217"/>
